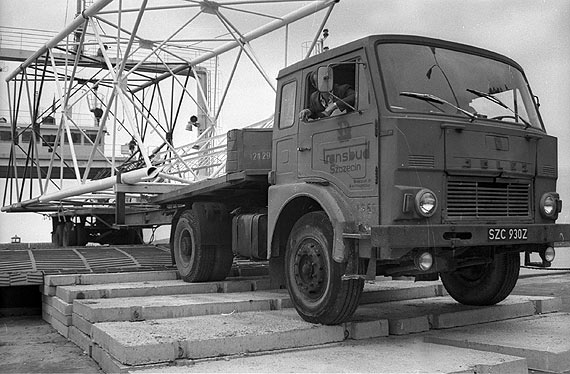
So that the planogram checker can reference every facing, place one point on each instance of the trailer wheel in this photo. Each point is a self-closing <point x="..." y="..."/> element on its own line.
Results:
<point x="57" y="235"/>
<point x="313" y="277"/>
<point x="485" y="284"/>
<point x="69" y="237"/>
<point x="194" y="261"/>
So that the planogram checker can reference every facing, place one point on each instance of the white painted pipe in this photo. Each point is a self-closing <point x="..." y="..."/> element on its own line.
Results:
<point x="130" y="177"/>
<point x="78" y="21"/>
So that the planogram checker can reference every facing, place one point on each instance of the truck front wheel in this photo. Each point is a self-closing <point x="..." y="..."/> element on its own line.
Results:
<point x="485" y="284"/>
<point x="314" y="279"/>
<point x="194" y="261"/>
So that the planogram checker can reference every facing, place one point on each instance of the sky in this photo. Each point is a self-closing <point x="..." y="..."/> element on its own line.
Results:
<point x="535" y="33"/>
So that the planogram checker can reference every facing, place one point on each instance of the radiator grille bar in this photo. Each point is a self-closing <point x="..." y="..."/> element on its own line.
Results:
<point x="483" y="199"/>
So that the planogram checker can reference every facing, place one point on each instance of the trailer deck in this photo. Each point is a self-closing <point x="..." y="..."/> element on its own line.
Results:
<point x="221" y="188"/>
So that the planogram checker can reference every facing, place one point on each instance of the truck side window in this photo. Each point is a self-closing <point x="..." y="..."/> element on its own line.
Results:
<point x="287" y="107"/>
<point x="345" y="93"/>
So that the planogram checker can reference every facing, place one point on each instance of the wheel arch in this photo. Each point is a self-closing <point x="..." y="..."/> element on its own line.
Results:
<point x="290" y="202"/>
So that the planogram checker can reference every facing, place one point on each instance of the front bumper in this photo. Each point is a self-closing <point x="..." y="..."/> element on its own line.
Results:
<point x="453" y="236"/>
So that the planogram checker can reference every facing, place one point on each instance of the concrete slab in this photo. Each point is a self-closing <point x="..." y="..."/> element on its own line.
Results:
<point x="57" y="303"/>
<point x="54" y="313"/>
<point x="80" y="339"/>
<point x="135" y="343"/>
<point x="102" y="278"/>
<point x="418" y="315"/>
<point x="391" y="355"/>
<point x="60" y="327"/>
<point x="542" y="339"/>
<point x="367" y="329"/>
<point x="394" y="290"/>
<point x="155" y="307"/>
<point x="82" y="324"/>
<point x="157" y="288"/>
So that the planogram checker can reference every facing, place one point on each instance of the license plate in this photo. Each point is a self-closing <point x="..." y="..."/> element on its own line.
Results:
<point x="503" y="233"/>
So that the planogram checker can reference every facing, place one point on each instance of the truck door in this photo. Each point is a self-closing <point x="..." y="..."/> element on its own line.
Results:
<point x="342" y="148"/>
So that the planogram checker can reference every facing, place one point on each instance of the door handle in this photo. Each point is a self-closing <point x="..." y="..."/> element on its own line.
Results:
<point x="303" y="149"/>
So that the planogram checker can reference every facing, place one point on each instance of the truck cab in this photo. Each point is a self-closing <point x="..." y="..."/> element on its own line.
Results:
<point x="438" y="166"/>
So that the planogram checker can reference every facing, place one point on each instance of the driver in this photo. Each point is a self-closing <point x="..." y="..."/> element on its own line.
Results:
<point x="324" y="104"/>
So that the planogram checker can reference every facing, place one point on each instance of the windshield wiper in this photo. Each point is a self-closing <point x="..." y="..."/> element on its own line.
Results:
<point x="499" y="103"/>
<point x="438" y="100"/>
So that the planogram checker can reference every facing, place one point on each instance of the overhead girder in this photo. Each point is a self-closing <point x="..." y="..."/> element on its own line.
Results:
<point x="132" y="71"/>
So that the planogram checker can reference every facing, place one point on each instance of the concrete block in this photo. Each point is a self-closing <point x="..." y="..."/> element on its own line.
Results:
<point x="48" y="290"/>
<point x="46" y="316"/>
<point x="140" y="308"/>
<point x="81" y="324"/>
<point x="107" y="363"/>
<point x="61" y="279"/>
<point x="509" y="308"/>
<point x="58" y="304"/>
<point x="367" y="329"/>
<point x="80" y="339"/>
<point x="56" y="314"/>
<point x="541" y="339"/>
<point x="60" y="327"/>
<point x="547" y="304"/>
<point x="412" y="325"/>
<point x="135" y="343"/>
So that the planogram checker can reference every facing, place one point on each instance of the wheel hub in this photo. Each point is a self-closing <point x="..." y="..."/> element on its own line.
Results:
<point x="310" y="269"/>
<point x="186" y="245"/>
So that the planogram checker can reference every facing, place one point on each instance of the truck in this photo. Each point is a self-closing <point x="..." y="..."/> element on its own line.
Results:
<point x="439" y="167"/>
<point x="392" y="155"/>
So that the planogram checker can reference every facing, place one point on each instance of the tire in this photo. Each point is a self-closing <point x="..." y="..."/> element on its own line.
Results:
<point x="485" y="284"/>
<point x="57" y="235"/>
<point x="223" y="260"/>
<point x="69" y="238"/>
<point x="194" y="261"/>
<point x="313" y="277"/>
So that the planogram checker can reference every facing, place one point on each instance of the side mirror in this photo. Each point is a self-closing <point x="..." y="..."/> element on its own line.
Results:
<point x="325" y="79"/>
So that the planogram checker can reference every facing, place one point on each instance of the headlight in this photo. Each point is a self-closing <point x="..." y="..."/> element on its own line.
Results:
<point x="549" y="205"/>
<point x="426" y="203"/>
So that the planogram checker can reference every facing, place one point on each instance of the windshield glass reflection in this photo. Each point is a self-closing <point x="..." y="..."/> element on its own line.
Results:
<point x="486" y="88"/>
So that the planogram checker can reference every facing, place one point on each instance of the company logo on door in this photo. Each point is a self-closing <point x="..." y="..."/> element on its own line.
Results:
<point x="349" y="159"/>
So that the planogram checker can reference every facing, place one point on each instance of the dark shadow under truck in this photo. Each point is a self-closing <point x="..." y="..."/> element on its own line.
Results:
<point x="441" y="168"/>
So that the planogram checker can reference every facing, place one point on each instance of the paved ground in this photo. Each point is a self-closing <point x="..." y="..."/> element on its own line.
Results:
<point x="28" y="344"/>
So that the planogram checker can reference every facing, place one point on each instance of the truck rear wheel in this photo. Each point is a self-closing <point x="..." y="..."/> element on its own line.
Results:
<point x="223" y="260"/>
<point x="485" y="284"/>
<point x="314" y="279"/>
<point x="194" y="260"/>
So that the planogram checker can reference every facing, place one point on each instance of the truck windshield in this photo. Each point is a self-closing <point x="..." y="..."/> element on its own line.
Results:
<point x="487" y="88"/>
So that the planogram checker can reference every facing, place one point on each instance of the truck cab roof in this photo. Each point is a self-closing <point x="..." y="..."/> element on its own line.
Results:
<point x="394" y="38"/>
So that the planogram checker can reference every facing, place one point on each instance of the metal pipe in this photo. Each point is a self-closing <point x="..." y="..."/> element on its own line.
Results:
<point x="305" y="11"/>
<point x="131" y="177"/>
<point x="78" y="21"/>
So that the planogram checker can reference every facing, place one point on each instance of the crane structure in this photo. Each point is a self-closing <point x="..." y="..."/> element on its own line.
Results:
<point x="139" y="65"/>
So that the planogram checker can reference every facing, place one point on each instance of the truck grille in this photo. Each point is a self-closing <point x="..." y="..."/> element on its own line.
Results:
<point x="483" y="199"/>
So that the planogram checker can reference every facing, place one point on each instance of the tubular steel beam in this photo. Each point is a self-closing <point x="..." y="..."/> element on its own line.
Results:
<point x="78" y="21"/>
